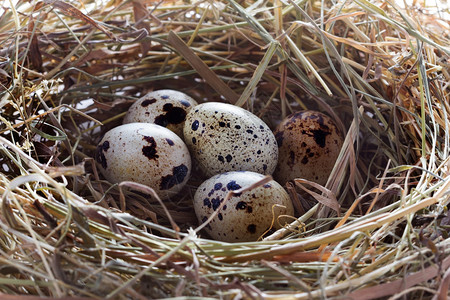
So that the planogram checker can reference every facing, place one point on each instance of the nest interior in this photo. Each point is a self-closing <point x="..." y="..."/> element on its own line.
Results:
<point x="70" y="70"/>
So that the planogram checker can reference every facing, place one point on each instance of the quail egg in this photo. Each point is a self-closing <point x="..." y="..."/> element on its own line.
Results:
<point x="309" y="143"/>
<point x="245" y="216"/>
<point x="223" y="137"/>
<point x="145" y="153"/>
<point x="167" y="108"/>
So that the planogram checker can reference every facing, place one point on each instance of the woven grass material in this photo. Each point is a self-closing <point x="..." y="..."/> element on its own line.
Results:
<point x="69" y="71"/>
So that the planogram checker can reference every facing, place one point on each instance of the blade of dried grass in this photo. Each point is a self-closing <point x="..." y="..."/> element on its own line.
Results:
<point x="307" y="64"/>
<point x="72" y="11"/>
<point x="150" y="191"/>
<point x="327" y="198"/>
<point x="203" y="70"/>
<point x="391" y="288"/>
<point x="329" y="47"/>
<point x="348" y="230"/>
<point x="268" y="39"/>
<point x="408" y="27"/>
<point x="191" y="38"/>
<point x="280" y="233"/>
<point x="257" y="75"/>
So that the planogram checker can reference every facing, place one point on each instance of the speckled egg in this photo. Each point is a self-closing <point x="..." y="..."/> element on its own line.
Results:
<point x="167" y="108"/>
<point x="223" y="137"/>
<point x="309" y="143"/>
<point x="145" y="153"/>
<point x="246" y="216"/>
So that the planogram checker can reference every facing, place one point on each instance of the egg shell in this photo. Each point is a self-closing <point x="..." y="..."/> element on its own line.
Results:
<point x="167" y="108"/>
<point x="309" y="143"/>
<point x="145" y="153"/>
<point x="247" y="216"/>
<point x="223" y="137"/>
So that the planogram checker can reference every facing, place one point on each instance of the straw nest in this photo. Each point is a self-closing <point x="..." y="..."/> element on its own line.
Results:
<point x="69" y="71"/>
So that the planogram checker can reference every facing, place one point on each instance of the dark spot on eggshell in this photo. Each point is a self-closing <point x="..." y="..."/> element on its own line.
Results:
<point x="237" y="126"/>
<point x="195" y="125"/>
<point x="267" y="185"/>
<point x="249" y="131"/>
<point x="150" y="151"/>
<point x="251" y="228"/>
<point x="228" y="158"/>
<point x="291" y="158"/>
<point x="207" y="202"/>
<point x="320" y="137"/>
<point x="220" y="158"/>
<point x="100" y="156"/>
<point x="241" y="205"/>
<point x="304" y="160"/>
<point x="170" y="142"/>
<point x="165" y="97"/>
<point x="177" y="176"/>
<point x="264" y="167"/>
<point x="216" y="203"/>
<point x="232" y="186"/>
<point x="147" y="102"/>
<point x="105" y="146"/>
<point x="194" y="140"/>
<point x="185" y="103"/>
<point x="220" y="217"/>
<point x="217" y="186"/>
<point x="249" y="209"/>
<point x="222" y="124"/>
<point x="173" y="115"/>
<point x="318" y="118"/>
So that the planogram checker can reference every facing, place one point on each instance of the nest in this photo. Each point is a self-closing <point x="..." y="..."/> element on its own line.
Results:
<point x="69" y="72"/>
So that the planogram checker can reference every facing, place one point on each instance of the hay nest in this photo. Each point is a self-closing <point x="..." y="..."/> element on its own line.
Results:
<point x="69" y="71"/>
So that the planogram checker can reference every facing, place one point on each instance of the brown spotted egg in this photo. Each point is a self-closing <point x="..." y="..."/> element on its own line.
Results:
<point x="309" y="143"/>
<point x="223" y="137"/>
<point x="245" y="216"/>
<point x="145" y="153"/>
<point x="167" y="108"/>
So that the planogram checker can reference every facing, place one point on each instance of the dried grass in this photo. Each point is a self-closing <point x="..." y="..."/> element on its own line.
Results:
<point x="68" y="73"/>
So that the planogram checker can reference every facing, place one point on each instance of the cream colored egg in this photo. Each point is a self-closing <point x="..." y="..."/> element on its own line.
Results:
<point x="167" y="108"/>
<point x="309" y="143"/>
<point x="145" y="153"/>
<point x="244" y="217"/>
<point x="223" y="137"/>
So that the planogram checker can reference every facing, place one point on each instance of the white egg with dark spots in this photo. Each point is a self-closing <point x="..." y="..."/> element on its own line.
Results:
<point x="223" y="137"/>
<point x="167" y="108"/>
<point x="309" y="144"/>
<point x="145" y="153"/>
<point x="246" y="216"/>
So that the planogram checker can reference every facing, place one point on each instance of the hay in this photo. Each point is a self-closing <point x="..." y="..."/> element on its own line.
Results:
<point x="68" y="73"/>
